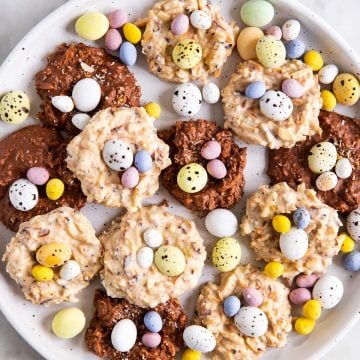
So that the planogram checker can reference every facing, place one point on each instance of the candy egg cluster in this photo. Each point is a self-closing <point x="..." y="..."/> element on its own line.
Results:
<point x="14" y="107"/>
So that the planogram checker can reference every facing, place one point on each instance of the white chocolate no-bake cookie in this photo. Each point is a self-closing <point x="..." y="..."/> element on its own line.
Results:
<point x="243" y="115"/>
<point x="75" y="234"/>
<point x="174" y="244"/>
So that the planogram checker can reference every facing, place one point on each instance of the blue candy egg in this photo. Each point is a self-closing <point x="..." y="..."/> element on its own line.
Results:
<point x="231" y="305"/>
<point x="294" y="49"/>
<point x="128" y="53"/>
<point x="351" y="261"/>
<point x="143" y="161"/>
<point x="153" y="321"/>
<point x="255" y="90"/>
<point x="301" y="218"/>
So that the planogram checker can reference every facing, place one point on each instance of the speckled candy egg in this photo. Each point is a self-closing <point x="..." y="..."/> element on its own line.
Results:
<point x="211" y="93"/>
<point x="153" y="237"/>
<point x="252" y="296"/>
<point x="295" y="49"/>
<point x="343" y="168"/>
<point x="70" y="270"/>
<point x="232" y="305"/>
<point x="130" y="178"/>
<point x="322" y="157"/>
<point x="211" y="150"/>
<point x="246" y="42"/>
<point x="80" y="120"/>
<point x="153" y="321"/>
<point x="294" y="244"/>
<point x="251" y="321"/>
<point x="255" y="90"/>
<point x="326" y="181"/>
<point x="151" y="340"/>
<point x="145" y="257"/>
<point x="180" y="24"/>
<point x="170" y="260"/>
<point x="187" y="54"/>
<point x="276" y="105"/>
<point x="301" y="218"/>
<point x="328" y="290"/>
<point x="199" y="338"/>
<point x="306" y="280"/>
<point x="346" y="88"/>
<point x="292" y="88"/>
<point x="53" y="254"/>
<point x="143" y="161"/>
<point x="291" y="29"/>
<point x="353" y="224"/>
<point x="216" y="168"/>
<point x="257" y="13"/>
<point x="14" y="107"/>
<point x="192" y="178"/>
<point x="299" y="296"/>
<point x="187" y="100"/>
<point x="226" y="254"/>
<point x="221" y="223"/>
<point x="123" y="335"/>
<point x="23" y="195"/>
<point x="328" y="74"/>
<point x="86" y="94"/>
<point x="117" y="155"/>
<point x="200" y="19"/>
<point x="270" y="52"/>
<point x="38" y="175"/>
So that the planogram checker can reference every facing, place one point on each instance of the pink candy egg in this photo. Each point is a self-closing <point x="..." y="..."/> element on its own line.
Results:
<point x="117" y="19"/>
<point x="292" y="88"/>
<point x="274" y="31"/>
<point x="211" y="150"/>
<point x="252" y="296"/>
<point x="38" y="175"/>
<point x="180" y="24"/>
<point x="306" y="281"/>
<point x="300" y="296"/>
<point x="216" y="169"/>
<point x="151" y="340"/>
<point x="130" y="178"/>
<point x="113" y="39"/>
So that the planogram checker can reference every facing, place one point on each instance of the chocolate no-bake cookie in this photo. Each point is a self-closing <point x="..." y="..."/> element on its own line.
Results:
<point x="291" y="165"/>
<point x="35" y="146"/>
<point x="73" y="62"/>
<point x="185" y="141"/>
<point x="109" y="311"/>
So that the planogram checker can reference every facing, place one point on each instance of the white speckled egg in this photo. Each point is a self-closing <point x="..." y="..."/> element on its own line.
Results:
<point x="123" y="335"/>
<point x="199" y="338"/>
<point x="80" y="120"/>
<point x="221" y="223"/>
<point x="145" y="257"/>
<point x="328" y="73"/>
<point x="70" y="270"/>
<point x="153" y="237"/>
<point x="276" y="105"/>
<point x="328" y="290"/>
<point x="200" y="19"/>
<point x="343" y="168"/>
<point x="326" y="181"/>
<point x="187" y="100"/>
<point x="14" y="107"/>
<point x="211" y="93"/>
<point x="86" y="94"/>
<point x="117" y="155"/>
<point x="251" y="321"/>
<point x="291" y="29"/>
<point x="63" y="103"/>
<point x="353" y="224"/>
<point x="23" y="195"/>
<point x="294" y="244"/>
<point x="270" y="52"/>
<point x="322" y="157"/>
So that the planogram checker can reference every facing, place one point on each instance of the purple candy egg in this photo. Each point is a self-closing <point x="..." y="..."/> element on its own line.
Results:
<point x="300" y="296"/>
<point x="117" y="19"/>
<point x="274" y="31"/>
<point x="216" y="169"/>
<point x="130" y="178"/>
<point x="252" y="296"/>
<point x="151" y="340"/>
<point x="37" y="175"/>
<point x="306" y="281"/>
<point x="292" y="88"/>
<point x="211" y="150"/>
<point x="180" y="24"/>
<point x="113" y="39"/>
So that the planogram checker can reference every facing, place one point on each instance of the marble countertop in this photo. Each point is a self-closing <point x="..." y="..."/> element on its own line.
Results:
<point x="19" y="16"/>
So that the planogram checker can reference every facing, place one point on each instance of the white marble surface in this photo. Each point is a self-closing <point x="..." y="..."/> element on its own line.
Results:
<point x="19" y="16"/>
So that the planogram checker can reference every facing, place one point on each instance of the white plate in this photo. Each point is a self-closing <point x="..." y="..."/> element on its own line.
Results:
<point x="34" y="322"/>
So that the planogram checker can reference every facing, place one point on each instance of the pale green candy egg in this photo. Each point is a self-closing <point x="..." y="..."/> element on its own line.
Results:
<point x="14" y="107"/>
<point x="270" y="52"/>
<point x="68" y="323"/>
<point x="170" y="260"/>
<point x="322" y="157"/>
<point x="192" y="178"/>
<point x="187" y="54"/>
<point x="257" y="13"/>
<point x="226" y="254"/>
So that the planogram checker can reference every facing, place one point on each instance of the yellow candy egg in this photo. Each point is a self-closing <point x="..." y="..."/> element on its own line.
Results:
<point x="246" y="42"/>
<point x="328" y="99"/>
<point x="347" y="242"/>
<point x="170" y="260"/>
<point x="132" y="33"/>
<point x="190" y="354"/>
<point x="54" y="189"/>
<point x="274" y="269"/>
<point x="304" y="326"/>
<point x="270" y="52"/>
<point x="226" y="254"/>
<point x="192" y="178"/>
<point x="92" y="26"/>
<point x="312" y="309"/>
<point x="68" y="323"/>
<point x="281" y="223"/>
<point x="14" y="107"/>
<point x="42" y="273"/>
<point x="187" y="54"/>
<point x="153" y="109"/>
<point x="346" y="89"/>
<point x="53" y="254"/>
<point x="314" y="59"/>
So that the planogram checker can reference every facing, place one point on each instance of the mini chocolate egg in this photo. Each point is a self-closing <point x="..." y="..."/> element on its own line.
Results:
<point x="226" y="254"/>
<point x="199" y="338"/>
<point x="346" y="88"/>
<point x="92" y="26"/>
<point x="187" y="100"/>
<point x="301" y="218"/>
<point x="216" y="168"/>
<point x="351" y="261"/>
<point x="170" y="260"/>
<point x="343" y="168"/>
<point x="187" y="54"/>
<point x="117" y="18"/>
<point x="192" y="178"/>
<point x="153" y="237"/>
<point x="180" y="24"/>
<point x="130" y="178"/>
<point x="131" y="33"/>
<point x="299" y="296"/>
<point x="113" y="40"/>
<point x="153" y="321"/>
<point x="14" y="107"/>
<point x="328" y="74"/>
<point x="255" y="90"/>
<point x="291" y="29"/>
<point x="211" y="150"/>
<point x="295" y="49"/>
<point x="117" y="155"/>
<point x="151" y="340"/>
<point x="294" y="244"/>
<point x="54" y="189"/>
<point x="251" y="321"/>
<point x="38" y="175"/>
<point x="232" y="305"/>
<point x="276" y="105"/>
<point x="270" y="52"/>
<point x="42" y="273"/>
<point x="221" y="223"/>
<point x="292" y="88"/>
<point x="353" y="224"/>
<point x="246" y="42"/>
<point x="86" y="94"/>
<point x="257" y="13"/>
<point x="143" y="161"/>
<point x="68" y="323"/>
<point x="23" y="195"/>
<point x="322" y="157"/>
<point x="274" y="31"/>
<point x="200" y="19"/>
<point x="145" y="257"/>
<point x="80" y="120"/>
<point x="128" y="53"/>
<point x="328" y="290"/>
<point x="211" y="93"/>
<point x="306" y="280"/>
<point x="123" y="335"/>
<point x="326" y="181"/>
<point x="63" y="103"/>
<point x="53" y="254"/>
<point x="252" y="296"/>
<point x="70" y="270"/>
